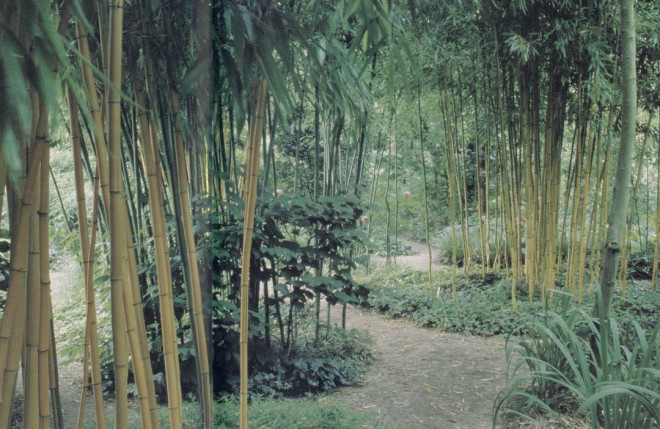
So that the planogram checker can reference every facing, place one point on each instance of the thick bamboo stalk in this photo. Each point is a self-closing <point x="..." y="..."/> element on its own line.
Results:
<point x="617" y="215"/>
<point x="117" y="228"/>
<point x="33" y="305"/>
<point x="252" y="173"/>
<point x="13" y="322"/>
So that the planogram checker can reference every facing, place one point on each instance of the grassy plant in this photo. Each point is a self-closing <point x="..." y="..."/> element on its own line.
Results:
<point x="306" y="413"/>
<point x="569" y="363"/>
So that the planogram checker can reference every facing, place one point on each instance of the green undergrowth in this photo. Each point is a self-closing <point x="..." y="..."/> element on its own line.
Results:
<point x="483" y="306"/>
<point x="303" y="413"/>
<point x="312" y="412"/>
<point x="477" y="309"/>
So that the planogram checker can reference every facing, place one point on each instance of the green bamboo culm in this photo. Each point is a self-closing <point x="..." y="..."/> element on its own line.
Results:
<point x="250" y="197"/>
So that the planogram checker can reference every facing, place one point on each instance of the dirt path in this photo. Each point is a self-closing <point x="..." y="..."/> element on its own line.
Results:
<point x="420" y="260"/>
<point x="426" y="378"/>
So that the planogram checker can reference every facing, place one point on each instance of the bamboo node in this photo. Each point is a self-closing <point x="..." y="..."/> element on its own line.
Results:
<point x="613" y="246"/>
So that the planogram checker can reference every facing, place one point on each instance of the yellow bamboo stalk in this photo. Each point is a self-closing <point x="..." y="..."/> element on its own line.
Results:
<point x="206" y="387"/>
<point x="252" y="173"/>
<point x="12" y="327"/>
<point x="95" y="111"/>
<point x="45" y="316"/>
<point x="124" y="270"/>
<point x="117" y="228"/>
<point x="166" y="304"/>
<point x="135" y="320"/>
<point x="33" y="305"/>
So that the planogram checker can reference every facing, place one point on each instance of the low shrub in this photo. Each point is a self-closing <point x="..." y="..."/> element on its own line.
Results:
<point x="339" y="358"/>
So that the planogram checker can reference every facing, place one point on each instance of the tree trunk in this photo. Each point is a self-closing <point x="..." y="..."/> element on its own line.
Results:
<point x="617" y="216"/>
<point x="252" y="173"/>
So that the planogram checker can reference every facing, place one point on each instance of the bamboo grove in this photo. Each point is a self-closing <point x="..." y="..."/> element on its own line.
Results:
<point x="230" y="159"/>
<point x="135" y="166"/>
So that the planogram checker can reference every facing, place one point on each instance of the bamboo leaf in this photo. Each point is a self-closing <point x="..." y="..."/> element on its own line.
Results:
<point x="246" y="16"/>
<point x="14" y="92"/>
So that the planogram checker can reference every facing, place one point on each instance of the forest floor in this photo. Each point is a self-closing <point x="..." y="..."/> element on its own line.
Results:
<point x="422" y="378"/>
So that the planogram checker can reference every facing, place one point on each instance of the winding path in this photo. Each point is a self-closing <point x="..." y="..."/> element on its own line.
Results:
<point x="426" y="378"/>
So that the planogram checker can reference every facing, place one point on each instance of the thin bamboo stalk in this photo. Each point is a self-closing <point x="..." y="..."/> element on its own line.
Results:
<point x="426" y="192"/>
<point x="206" y="388"/>
<point x="87" y="245"/>
<point x="164" y="272"/>
<point x="656" y="249"/>
<point x="3" y="182"/>
<point x="33" y="300"/>
<point x="13" y="322"/>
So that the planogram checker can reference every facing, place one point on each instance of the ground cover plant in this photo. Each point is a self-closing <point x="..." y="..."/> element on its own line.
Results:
<point x="483" y="306"/>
